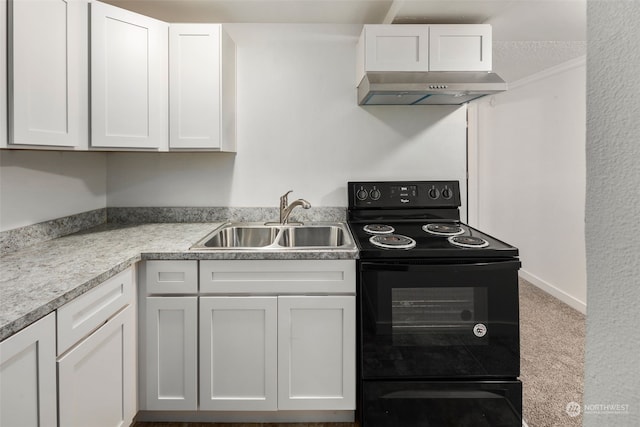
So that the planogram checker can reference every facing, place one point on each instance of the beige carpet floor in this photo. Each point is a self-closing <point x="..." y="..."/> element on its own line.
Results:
<point x="551" y="357"/>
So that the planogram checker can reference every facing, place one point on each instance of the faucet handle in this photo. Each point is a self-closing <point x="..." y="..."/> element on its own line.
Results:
<point x="284" y="199"/>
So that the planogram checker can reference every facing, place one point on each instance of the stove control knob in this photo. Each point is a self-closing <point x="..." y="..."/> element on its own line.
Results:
<point x="375" y="194"/>
<point x="447" y="193"/>
<point x="362" y="194"/>
<point x="434" y="193"/>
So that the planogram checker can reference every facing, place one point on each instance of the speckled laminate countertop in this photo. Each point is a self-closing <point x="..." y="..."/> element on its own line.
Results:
<point x="39" y="279"/>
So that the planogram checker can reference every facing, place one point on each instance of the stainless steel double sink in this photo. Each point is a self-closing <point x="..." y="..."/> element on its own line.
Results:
<point x="260" y="236"/>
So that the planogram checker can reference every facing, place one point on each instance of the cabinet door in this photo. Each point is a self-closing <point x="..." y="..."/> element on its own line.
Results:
<point x="238" y="353"/>
<point x="28" y="376"/>
<point x="171" y="353"/>
<point x="194" y="85"/>
<point x="396" y="48"/>
<point x="129" y="82"/>
<point x="316" y="353"/>
<point x="460" y="47"/>
<point x="48" y="90"/>
<point x="97" y="378"/>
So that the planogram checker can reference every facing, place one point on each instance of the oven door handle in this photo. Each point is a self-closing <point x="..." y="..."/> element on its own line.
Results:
<point x="440" y="266"/>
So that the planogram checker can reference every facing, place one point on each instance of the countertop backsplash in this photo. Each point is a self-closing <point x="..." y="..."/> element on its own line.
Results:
<point x="19" y="238"/>
<point x="141" y="215"/>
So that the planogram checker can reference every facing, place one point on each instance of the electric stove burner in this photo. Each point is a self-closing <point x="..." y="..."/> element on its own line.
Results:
<point x="468" y="241"/>
<point x="443" y="229"/>
<point x="378" y="229"/>
<point x="392" y="241"/>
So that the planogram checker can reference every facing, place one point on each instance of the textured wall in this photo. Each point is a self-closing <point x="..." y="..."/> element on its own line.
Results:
<point x="612" y="376"/>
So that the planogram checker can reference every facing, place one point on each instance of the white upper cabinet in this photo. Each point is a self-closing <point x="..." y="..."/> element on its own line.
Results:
<point x="394" y="48"/>
<point x="460" y="47"/>
<point x="417" y="47"/>
<point x="202" y="88"/>
<point x="129" y="79"/>
<point x="48" y="92"/>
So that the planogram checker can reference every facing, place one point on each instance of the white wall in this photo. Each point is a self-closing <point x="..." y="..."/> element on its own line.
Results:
<point x="530" y="177"/>
<point x="38" y="186"/>
<point x="612" y="376"/>
<point x="300" y="128"/>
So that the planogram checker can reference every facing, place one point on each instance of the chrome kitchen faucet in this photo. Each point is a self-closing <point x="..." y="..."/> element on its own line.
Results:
<point x="286" y="208"/>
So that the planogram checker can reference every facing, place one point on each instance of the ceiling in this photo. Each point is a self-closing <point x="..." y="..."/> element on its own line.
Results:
<point x="528" y="35"/>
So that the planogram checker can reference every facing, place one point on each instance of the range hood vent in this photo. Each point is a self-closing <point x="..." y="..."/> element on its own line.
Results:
<point x="427" y="88"/>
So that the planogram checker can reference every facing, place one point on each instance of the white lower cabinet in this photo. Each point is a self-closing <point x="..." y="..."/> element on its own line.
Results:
<point x="28" y="376"/>
<point x="97" y="381"/>
<point x="97" y="354"/>
<point x="238" y="353"/>
<point x="316" y="352"/>
<point x="248" y="339"/>
<point x="171" y="354"/>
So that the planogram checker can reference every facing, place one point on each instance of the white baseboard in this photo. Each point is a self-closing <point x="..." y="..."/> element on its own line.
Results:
<point x="571" y="301"/>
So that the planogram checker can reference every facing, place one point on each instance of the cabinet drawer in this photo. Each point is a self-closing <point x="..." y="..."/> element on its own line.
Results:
<point x="277" y="276"/>
<point x="171" y="277"/>
<point x="84" y="314"/>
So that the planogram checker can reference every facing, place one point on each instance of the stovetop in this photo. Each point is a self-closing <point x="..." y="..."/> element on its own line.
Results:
<point x="408" y="207"/>
<point x="428" y="245"/>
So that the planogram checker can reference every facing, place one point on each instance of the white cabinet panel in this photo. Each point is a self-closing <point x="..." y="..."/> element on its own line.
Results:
<point x="128" y="79"/>
<point x="28" y="376"/>
<point x="460" y="47"/>
<point x="238" y="353"/>
<point x="316" y="352"/>
<point x="170" y="277"/>
<point x="201" y="87"/>
<point x="3" y="74"/>
<point x="79" y="317"/>
<point x="48" y="73"/>
<point x="97" y="378"/>
<point x="396" y="48"/>
<point x="171" y="353"/>
<point x="277" y="276"/>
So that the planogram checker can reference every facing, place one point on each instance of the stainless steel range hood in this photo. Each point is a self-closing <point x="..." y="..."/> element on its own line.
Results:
<point x="427" y="88"/>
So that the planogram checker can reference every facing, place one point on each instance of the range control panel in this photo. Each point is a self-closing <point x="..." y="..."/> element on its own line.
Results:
<point x="404" y="194"/>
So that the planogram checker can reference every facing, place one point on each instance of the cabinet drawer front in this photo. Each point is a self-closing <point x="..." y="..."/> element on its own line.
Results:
<point x="84" y="314"/>
<point x="171" y="277"/>
<point x="277" y="276"/>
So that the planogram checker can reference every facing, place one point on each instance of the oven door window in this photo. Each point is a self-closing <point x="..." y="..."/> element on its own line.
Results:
<point x="437" y="316"/>
<point x="422" y="321"/>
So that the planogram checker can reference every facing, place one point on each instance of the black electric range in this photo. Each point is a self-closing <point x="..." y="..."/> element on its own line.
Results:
<point x="438" y="314"/>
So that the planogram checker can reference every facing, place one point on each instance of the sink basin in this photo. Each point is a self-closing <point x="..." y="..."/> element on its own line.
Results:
<point x="303" y="236"/>
<point x="259" y="236"/>
<point x="242" y="237"/>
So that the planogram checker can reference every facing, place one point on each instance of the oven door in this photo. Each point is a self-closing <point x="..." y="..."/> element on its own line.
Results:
<point x="439" y="320"/>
